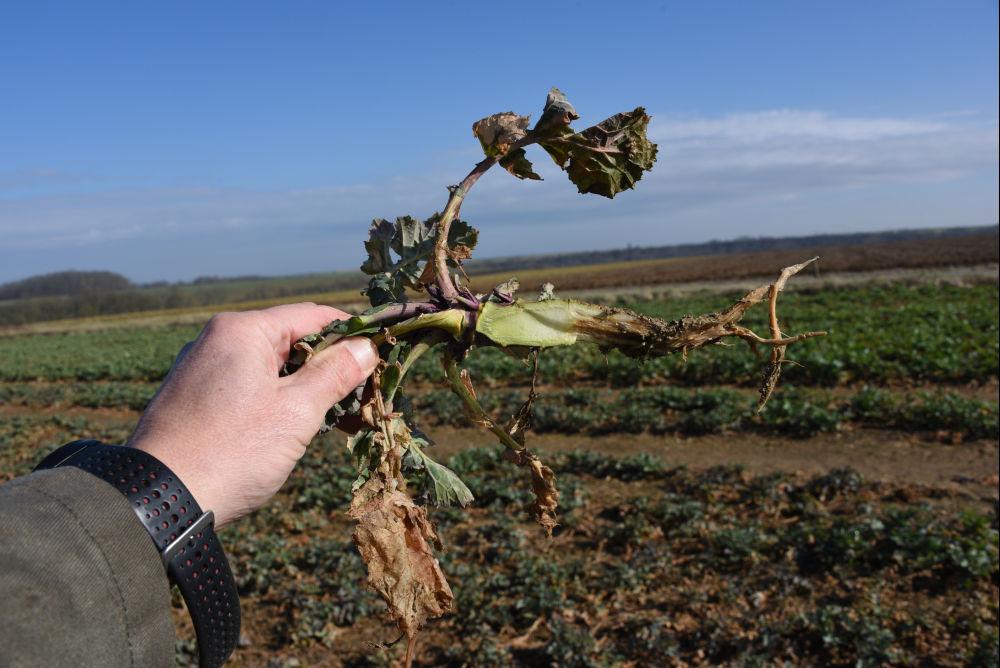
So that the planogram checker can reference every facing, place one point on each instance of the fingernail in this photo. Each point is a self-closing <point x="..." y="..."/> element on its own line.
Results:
<point x="363" y="351"/>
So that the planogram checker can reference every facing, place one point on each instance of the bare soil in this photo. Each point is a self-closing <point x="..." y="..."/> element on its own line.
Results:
<point x="878" y="454"/>
<point x="900" y="457"/>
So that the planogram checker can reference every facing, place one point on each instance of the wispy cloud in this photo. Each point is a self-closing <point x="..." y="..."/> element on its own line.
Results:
<point x="710" y="170"/>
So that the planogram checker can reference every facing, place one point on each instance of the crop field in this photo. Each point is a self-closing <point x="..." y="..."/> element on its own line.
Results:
<point x="977" y="252"/>
<point x="853" y="523"/>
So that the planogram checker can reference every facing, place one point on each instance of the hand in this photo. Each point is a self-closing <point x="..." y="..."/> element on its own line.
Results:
<point x="227" y="424"/>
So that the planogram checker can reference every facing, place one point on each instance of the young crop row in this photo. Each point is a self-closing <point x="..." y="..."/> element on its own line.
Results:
<point x="908" y="334"/>
<point x="110" y="394"/>
<point x="903" y="335"/>
<point x="114" y="354"/>
<point x="26" y="439"/>
<point x="720" y="567"/>
<point x="658" y="409"/>
<point x="667" y="409"/>
<point x="717" y="566"/>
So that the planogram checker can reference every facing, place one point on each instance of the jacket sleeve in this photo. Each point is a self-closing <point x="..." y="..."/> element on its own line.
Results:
<point x="80" y="580"/>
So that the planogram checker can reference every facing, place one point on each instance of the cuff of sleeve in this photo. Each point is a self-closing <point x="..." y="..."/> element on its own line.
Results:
<point x="103" y="587"/>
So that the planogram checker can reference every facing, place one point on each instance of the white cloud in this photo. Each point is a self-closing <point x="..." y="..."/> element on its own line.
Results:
<point x="781" y="124"/>
<point x="711" y="172"/>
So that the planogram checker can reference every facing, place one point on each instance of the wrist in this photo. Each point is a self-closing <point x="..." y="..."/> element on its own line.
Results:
<point x="181" y="530"/>
<point x="193" y="475"/>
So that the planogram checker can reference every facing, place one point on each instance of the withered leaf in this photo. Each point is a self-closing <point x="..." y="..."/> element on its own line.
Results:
<point x="506" y="292"/>
<point x="497" y="133"/>
<point x="606" y="158"/>
<point x="516" y="162"/>
<point x="520" y="421"/>
<point x="394" y="538"/>
<point x="543" y="484"/>
<point x="556" y="116"/>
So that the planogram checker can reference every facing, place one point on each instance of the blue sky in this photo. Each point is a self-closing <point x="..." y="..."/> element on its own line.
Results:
<point x="172" y="140"/>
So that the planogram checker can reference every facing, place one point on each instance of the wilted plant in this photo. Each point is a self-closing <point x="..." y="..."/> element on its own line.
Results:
<point x="411" y="257"/>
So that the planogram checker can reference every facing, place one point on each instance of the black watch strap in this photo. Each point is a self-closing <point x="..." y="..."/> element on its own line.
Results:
<point x="183" y="534"/>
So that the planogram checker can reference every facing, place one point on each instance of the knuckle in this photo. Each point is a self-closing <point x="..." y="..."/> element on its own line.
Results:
<point x="222" y="322"/>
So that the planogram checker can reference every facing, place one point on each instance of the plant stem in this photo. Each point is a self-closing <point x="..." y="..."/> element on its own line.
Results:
<point x="419" y="348"/>
<point x="403" y="311"/>
<point x="461" y="386"/>
<point x="450" y="213"/>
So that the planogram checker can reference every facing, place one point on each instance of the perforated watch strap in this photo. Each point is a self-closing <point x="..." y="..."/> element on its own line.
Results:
<point x="182" y="533"/>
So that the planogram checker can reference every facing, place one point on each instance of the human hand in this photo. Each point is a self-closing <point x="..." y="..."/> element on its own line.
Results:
<point x="227" y="424"/>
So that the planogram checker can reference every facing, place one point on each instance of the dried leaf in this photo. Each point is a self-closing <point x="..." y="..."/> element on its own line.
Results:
<point x="467" y="382"/>
<point x="462" y="239"/>
<point x="769" y="381"/>
<point x="606" y="158"/>
<point x="505" y="292"/>
<point x="516" y="162"/>
<point x="543" y="484"/>
<point x="556" y="116"/>
<point x="497" y="133"/>
<point x="394" y="538"/>
<point x="520" y="421"/>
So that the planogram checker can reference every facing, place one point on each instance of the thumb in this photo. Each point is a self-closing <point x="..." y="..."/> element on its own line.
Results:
<point x="333" y="372"/>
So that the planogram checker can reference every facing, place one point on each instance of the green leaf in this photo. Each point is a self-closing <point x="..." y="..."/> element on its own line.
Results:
<point x="606" y="158"/>
<point x="363" y="445"/>
<point x="379" y="242"/>
<point x="353" y="326"/>
<point x="385" y="289"/>
<point x="447" y="488"/>
<point x="391" y="375"/>
<point x="398" y="254"/>
<point x="349" y="405"/>
<point x="413" y="243"/>
<point x="518" y="164"/>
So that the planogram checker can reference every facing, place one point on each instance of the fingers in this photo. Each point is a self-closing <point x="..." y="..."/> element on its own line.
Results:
<point x="285" y="324"/>
<point x="332" y="373"/>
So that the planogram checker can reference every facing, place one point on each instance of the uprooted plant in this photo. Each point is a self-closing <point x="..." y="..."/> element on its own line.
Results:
<point x="412" y="257"/>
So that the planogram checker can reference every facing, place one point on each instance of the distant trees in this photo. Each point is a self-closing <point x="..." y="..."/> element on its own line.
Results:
<point x="65" y="283"/>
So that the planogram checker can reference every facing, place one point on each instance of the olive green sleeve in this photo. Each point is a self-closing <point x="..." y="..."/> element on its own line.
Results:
<point x="81" y="583"/>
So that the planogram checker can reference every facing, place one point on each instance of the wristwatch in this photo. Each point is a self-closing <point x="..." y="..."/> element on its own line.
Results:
<point x="183" y="534"/>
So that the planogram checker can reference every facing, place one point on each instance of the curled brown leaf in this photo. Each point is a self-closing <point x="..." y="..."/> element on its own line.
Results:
<point x="497" y="133"/>
<point x="543" y="484"/>
<point x="394" y="538"/>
